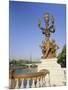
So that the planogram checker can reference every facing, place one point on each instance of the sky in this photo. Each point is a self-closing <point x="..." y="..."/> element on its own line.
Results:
<point x="24" y="35"/>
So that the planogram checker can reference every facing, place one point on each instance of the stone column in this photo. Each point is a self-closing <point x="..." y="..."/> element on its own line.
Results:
<point x="28" y="83"/>
<point x="41" y="82"/>
<point x="33" y="82"/>
<point x="44" y="83"/>
<point x="37" y="82"/>
<point x="22" y="84"/>
<point x="16" y="87"/>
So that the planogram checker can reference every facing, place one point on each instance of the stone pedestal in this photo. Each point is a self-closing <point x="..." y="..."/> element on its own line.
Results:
<point x="56" y="72"/>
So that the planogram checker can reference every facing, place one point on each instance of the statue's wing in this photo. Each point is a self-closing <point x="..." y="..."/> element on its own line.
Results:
<point x="51" y="29"/>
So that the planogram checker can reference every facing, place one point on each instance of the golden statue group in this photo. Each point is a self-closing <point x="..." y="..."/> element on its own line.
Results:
<point x="48" y="46"/>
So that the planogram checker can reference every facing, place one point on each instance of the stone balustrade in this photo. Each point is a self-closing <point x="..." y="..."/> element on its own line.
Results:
<point x="32" y="80"/>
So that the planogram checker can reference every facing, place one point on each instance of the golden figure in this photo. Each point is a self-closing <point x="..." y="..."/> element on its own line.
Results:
<point x="48" y="47"/>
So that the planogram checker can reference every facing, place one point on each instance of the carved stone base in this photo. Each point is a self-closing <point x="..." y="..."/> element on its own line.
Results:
<point x="56" y="72"/>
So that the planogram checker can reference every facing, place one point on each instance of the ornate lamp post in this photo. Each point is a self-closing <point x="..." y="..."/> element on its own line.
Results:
<point x="48" y="47"/>
<point x="48" y="28"/>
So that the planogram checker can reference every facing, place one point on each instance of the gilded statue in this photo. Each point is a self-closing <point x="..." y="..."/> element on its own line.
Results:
<point x="48" y="46"/>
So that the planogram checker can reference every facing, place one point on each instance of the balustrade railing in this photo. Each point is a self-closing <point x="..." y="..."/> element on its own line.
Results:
<point x="32" y="80"/>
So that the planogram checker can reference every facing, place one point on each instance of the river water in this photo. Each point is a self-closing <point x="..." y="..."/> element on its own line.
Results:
<point x="25" y="71"/>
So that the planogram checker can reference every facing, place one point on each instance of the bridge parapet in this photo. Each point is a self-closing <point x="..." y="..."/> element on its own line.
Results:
<point x="19" y="81"/>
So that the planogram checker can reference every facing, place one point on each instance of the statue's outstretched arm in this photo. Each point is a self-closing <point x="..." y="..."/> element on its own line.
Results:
<point x="39" y="25"/>
<point x="52" y="28"/>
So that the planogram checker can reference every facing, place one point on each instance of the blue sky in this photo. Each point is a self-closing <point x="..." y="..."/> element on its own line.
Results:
<point x="25" y="36"/>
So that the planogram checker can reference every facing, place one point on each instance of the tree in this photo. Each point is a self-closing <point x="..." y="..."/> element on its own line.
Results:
<point x="62" y="57"/>
<point x="13" y="61"/>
